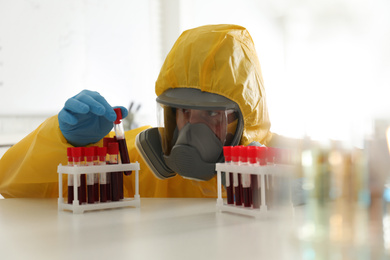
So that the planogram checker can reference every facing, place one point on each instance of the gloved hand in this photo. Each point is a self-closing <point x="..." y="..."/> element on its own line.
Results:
<point x="86" y="118"/>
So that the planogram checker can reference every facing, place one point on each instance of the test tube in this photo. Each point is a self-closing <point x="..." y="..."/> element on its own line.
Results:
<point x="236" y="177"/>
<point x="120" y="137"/>
<point x="262" y="156"/>
<point x="83" y="179"/>
<point x="245" y="178"/>
<point x="113" y="150"/>
<point x="271" y="152"/>
<point x="106" y="141"/>
<point x="89" y="154"/>
<point x="269" y="179"/>
<point x="96" y="175"/>
<point x="102" y="152"/>
<point x="227" y="151"/>
<point x="70" y="177"/>
<point x="76" y="154"/>
<point x="252" y="157"/>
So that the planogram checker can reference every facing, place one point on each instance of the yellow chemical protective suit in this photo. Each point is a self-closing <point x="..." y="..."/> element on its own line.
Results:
<point x="219" y="59"/>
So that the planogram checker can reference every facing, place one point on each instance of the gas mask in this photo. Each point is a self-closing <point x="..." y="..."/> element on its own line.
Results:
<point x="193" y="128"/>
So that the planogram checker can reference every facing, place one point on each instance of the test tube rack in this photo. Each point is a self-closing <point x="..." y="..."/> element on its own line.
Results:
<point x="263" y="171"/>
<point x="75" y="172"/>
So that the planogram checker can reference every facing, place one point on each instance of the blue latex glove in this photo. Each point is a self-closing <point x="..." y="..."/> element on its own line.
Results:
<point x="86" y="118"/>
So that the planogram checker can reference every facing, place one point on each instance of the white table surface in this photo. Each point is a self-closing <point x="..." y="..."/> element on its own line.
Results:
<point x="159" y="229"/>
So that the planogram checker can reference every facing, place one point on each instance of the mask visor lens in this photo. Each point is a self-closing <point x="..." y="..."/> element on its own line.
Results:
<point x="172" y="119"/>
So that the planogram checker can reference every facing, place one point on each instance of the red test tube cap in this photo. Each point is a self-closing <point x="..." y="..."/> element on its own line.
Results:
<point x="243" y="150"/>
<point x="76" y="151"/>
<point x="235" y="153"/>
<point x="69" y="154"/>
<point x="82" y="151"/>
<point x="69" y="151"/>
<point x="227" y="152"/>
<point x="107" y="140"/>
<point x="278" y="155"/>
<point x="271" y="154"/>
<point x="262" y="155"/>
<point x="252" y="153"/>
<point x="102" y="151"/>
<point x="90" y="153"/>
<point x="113" y="148"/>
<point x="95" y="150"/>
<point x="118" y="112"/>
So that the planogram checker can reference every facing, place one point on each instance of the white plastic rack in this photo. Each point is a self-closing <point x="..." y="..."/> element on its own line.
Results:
<point x="75" y="171"/>
<point x="277" y="172"/>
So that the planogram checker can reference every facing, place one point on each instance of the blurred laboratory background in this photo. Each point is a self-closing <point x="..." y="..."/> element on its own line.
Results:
<point x="325" y="65"/>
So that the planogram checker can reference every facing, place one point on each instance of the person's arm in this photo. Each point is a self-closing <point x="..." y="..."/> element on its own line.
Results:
<point x="29" y="168"/>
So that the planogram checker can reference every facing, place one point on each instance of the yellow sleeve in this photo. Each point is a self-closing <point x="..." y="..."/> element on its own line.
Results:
<point x="29" y="168"/>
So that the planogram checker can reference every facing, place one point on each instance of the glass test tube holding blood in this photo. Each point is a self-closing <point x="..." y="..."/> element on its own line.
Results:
<point x="106" y="142"/>
<point x="227" y="150"/>
<point x="96" y="175"/>
<point x="77" y="160"/>
<point x="245" y="178"/>
<point x="83" y="178"/>
<point x="70" y="178"/>
<point x="237" y="177"/>
<point x="120" y="137"/>
<point x="89" y="154"/>
<point x="102" y="152"/>
<point x="115" y="184"/>
<point x="257" y="156"/>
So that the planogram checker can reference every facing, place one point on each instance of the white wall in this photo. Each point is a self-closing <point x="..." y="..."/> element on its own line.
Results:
<point x="51" y="50"/>
<point x="325" y="63"/>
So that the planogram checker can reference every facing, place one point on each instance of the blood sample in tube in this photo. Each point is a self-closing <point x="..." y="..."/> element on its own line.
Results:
<point x="252" y="158"/>
<point x="102" y="152"/>
<point x="76" y="154"/>
<point x="271" y="152"/>
<point x="83" y="179"/>
<point x="246" y="178"/>
<point x="89" y="154"/>
<point x="229" y="175"/>
<point x="262" y="155"/>
<point x="70" y="177"/>
<point x="120" y="137"/>
<point x="262" y="158"/>
<point x="113" y="150"/>
<point x="236" y="177"/>
<point x="271" y="160"/>
<point x="106" y="141"/>
<point x="96" y="175"/>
